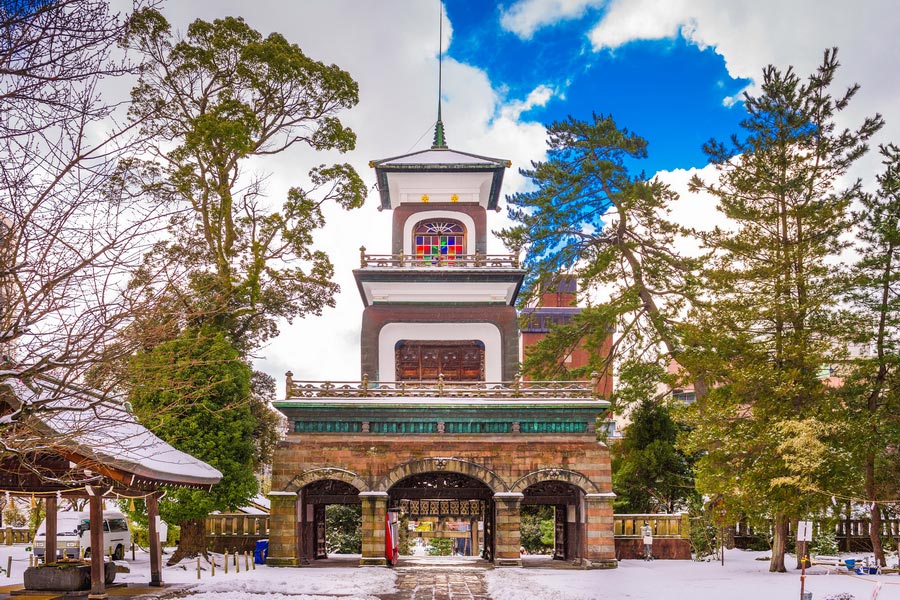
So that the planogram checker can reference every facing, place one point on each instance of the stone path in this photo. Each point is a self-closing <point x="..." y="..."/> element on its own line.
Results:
<point x="447" y="583"/>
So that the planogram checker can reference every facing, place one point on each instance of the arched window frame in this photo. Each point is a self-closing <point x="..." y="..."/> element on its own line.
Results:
<point x="439" y="239"/>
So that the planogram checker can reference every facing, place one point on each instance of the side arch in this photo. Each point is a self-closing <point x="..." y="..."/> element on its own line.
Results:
<point x="318" y="474"/>
<point x="446" y="465"/>
<point x="554" y="474"/>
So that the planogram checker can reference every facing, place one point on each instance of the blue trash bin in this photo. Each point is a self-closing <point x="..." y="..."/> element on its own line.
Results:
<point x="262" y="552"/>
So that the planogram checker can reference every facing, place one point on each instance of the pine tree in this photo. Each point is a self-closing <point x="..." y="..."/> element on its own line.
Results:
<point x="590" y="215"/>
<point x="871" y="390"/>
<point x="769" y="323"/>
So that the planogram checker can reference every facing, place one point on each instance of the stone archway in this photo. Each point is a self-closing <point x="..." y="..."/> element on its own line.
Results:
<point x="449" y="507"/>
<point x="494" y="482"/>
<point x="312" y="475"/>
<point x="556" y="474"/>
<point x="313" y="490"/>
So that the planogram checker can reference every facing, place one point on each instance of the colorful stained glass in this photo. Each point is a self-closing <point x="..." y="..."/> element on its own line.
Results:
<point x="439" y="241"/>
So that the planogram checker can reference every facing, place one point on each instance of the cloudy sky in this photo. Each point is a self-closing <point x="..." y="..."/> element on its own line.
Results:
<point x="672" y="71"/>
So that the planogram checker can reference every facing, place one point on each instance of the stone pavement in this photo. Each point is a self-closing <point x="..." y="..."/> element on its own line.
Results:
<point x="444" y="583"/>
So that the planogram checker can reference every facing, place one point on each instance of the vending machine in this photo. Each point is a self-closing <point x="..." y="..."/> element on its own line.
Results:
<point x="392" y="536"/>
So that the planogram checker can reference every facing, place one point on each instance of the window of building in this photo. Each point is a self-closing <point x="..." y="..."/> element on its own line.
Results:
<point x="442" y="240"/>
<point x="426" y="360"/>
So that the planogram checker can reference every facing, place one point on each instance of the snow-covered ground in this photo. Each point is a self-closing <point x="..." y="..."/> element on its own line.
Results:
<point x="741" y="578"/>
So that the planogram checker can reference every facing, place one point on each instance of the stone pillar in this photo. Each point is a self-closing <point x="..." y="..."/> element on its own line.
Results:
<point x="374" y="512"/>
<point x="507" y="536"/>
<point x="599" y="544"/>
<point x="283" y="530"/>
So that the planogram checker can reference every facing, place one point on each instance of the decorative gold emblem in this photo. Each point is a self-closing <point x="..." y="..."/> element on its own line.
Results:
<point x="454" y="198"/>
<point x="424" y="197"/>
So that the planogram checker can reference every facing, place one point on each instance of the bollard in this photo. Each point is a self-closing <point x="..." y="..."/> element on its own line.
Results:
<point x="237" y="563"/>
<point x="212" y="567"/>
<point x="8" y="566"/>
<point x="235" y="557"/>
<point x="109" y="552"/>
<point x="198" y="567"/>
<point x="132" y="551"/>
<point x="246" y="561"/>
<point x="226" y="562"/>
<point x="253" y="562"/>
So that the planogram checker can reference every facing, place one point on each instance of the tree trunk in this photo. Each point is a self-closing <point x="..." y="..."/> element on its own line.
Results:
<point x="874" y="511"/>
<point x="780" y="526"/>
<point x="193" y="541"/>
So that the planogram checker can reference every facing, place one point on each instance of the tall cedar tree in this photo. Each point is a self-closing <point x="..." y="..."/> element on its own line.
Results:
<point x="588" y="213"/>
<point x="769" y="323"/>
<point x="193" y="392"/>
<point x="211" y="102"/>
<point x="872" y="390"/>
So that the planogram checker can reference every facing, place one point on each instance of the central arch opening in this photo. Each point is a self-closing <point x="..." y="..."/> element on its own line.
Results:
<point x="444" y="515"/>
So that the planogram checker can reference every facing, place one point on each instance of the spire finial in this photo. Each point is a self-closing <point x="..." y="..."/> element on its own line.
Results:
<point x="439" y="141"/>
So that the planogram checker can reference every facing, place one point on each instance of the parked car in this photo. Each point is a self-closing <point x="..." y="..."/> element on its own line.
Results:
<point x="73" y="535"/>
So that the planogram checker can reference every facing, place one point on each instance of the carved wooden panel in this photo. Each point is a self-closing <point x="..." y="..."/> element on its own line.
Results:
<point x="426" y="361"/>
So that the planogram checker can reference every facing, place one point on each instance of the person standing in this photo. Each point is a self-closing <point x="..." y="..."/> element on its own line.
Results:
<point x="647" y="536"/>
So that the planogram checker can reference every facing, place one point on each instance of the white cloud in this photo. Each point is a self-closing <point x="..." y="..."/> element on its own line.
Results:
<point x="525" y="17"/>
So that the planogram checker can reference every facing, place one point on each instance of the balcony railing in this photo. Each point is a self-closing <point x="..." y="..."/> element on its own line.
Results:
<point x="459" y="261"/>
<point x="516" y="389"/>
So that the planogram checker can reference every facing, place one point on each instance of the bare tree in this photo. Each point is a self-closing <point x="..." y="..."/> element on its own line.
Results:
<point x="71" y="229"/>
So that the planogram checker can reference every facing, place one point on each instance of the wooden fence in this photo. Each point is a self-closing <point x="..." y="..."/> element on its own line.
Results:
<point x="852" y="535"/>
<point x="235" y="531"/>
<point x="17" y="535"/>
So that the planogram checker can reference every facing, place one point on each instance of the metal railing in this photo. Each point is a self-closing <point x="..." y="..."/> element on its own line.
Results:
<point x="516" y="389"/>
<point x="459" y="261"/>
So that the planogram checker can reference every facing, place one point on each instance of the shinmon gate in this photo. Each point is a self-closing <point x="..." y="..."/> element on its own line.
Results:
<point x="441" y="428"/>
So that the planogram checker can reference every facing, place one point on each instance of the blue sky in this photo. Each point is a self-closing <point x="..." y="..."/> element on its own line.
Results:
<point x="669" y="91"/>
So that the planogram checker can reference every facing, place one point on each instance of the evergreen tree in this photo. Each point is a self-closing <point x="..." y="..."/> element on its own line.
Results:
<point x="589" y="214"/>
<point x="769" y="323"/>
<point x="649" y="474"/>
<point x="871" y="391"/>
<point x="194" y="392"/>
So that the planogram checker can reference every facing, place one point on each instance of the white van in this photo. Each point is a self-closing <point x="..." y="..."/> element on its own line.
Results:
<point x="73" y="535"/>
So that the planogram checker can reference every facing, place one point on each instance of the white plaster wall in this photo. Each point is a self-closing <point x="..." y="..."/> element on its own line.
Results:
<point x="486" y="333"/>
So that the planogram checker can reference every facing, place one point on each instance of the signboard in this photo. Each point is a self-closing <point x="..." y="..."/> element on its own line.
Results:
<point x="804" y="531"/>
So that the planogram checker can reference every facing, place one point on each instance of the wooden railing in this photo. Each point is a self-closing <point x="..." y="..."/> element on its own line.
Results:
<point x="17" y="535"/>
<point x="516" y="389"/>
<point x="237" y="525"/>
<point x="663" y="526"/>
<point x="459" y="261"/>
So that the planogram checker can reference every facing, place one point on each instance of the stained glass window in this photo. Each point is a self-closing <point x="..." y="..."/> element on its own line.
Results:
<point x="439" y="241"/>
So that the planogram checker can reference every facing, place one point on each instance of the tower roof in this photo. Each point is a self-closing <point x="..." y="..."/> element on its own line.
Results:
<point x="394" y="172"/>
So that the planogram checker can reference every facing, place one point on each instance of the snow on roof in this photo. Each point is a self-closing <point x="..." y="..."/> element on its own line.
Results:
<point x="99" y="427"/>
<point x="441" y="157"/>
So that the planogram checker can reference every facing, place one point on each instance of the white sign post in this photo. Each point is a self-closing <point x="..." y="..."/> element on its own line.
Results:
<point x="804" y="531"/>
